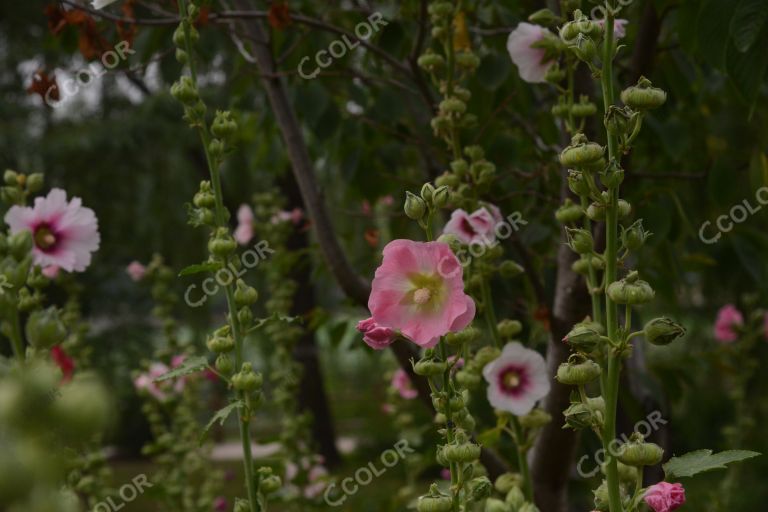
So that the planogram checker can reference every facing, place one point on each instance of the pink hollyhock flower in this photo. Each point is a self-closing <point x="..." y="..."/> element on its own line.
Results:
<point x="220" y="504"/>
<point x="728" y="319"/>
<point x="479" y="227"/>
<point x="64" y="362"/>
<point x="374" y="335"/>
<point x="419" y="290"/>
<point x="665" y="497"/>
<point x="517" y="379"/>
<point x="51" y="271"/>
<point x="318" y="481"/>
<point x="530" y="61"/>
<point x="159" y="390"/>
<point x="402" y="383"/>
<point x="136" y="270"/>
<point x="65" y="233"/>
<point x="244" y="230"/>
<point x="619" y="27"/>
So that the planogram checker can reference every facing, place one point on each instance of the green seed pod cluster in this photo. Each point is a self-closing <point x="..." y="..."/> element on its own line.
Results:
<point x="506" y="481"/>
<point x="461" y="452"/>
<point x="643" y="96"/>
<point x="578" y="371"/>
<point x="584" y="336"/>
<point x="581" y="152"/>
<point x="509" y="328"/>
<point x="415" y="207"/>
<point x="428" y="367"/>
<point x="537" y="418"/>
<point x="496" y="505"/>
<point x="569" y="212"/>
<point x="247" y="380"/>
<point x="637" y="452"/>
<point x="434" y="501"/>
<point x="580" y="240"/>
<point x="630" y="290"/>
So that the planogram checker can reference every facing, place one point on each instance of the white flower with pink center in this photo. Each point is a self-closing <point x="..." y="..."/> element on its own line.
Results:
<point x="65" y="233"/>
<point x="517" y="379"/>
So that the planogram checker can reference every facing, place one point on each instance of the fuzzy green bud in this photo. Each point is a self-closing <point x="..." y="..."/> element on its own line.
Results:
<point x="577" y="183"/>
<point x="464" y="452"/>
<point x="537" y="418"/>
<point x="569" y="212"/>
<point x="580" y="240"/>
<point x="507" y="481"/>
<point x="639" y="453"/>
<point x="584" y="337"/>
<point x="508" y="328"/>
<point x="663" y="331"/>
<point x="415" y="207"/>
<point x="428" y="367"/>
<point x="45" y="329"/>
<point x="431" y="62"/>
<point x="224" y="364"/>
<point x="247" y="380"/>
<point x="224" y="126"/>
<point x="222" y="244"/>
<point x="630" y="290"/>
<point x="581" y="152"/>
<point x="643" y="96"/>
<point x="245" y="295"/>
<point x="578" y="371"/>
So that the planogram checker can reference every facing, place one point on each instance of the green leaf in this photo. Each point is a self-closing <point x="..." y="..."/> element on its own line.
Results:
<point x="191" y="365"/>
<point x="221" y="416"/>
<point x="209" y="266"/>
<point x="489" y="437"/>
<point x="274" y="318"/>
<point x="747" y="21"/>
<point x="699" y="461"/>
<point x="748" y="69"/>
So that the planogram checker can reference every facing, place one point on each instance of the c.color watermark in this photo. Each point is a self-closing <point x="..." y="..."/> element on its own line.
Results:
<point x="339" y="47"/>
<point x="364" y="475"/>
<point x="737" y="214"/>
<point x="127" y="492"/>
<point x="598" y="11"/>
<point x="86" y="76"/>
<point x="249" y="259"/>
<point x="643" y="427"/>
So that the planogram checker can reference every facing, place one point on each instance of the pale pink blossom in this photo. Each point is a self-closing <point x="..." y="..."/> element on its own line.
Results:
<point x="665" y="497"/>
<point x="160" y="390"/>
<point x="376" y="336"/>
<point x="136" y="270"/>
<point x="387" y="200"/>
<point x="295" y="216"/>
<point x="51" y="271"/>
<point x="479" y="227"/>
<point x="729" y="319"/>
<point x="244" y="229"/>
<point x="318" y="481"/>
<point x="445" y="474"/>
<point x="530" y="61"/>
<point x="419" y="290"/>
<point x="402" y="383"/>
<point x="619" y="26"/>
<point x="517" y="379"/>
<point x="65" y="233"/>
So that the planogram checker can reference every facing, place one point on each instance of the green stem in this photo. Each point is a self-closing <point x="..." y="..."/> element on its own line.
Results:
<point x="611" y="390"/>
<point x="488" y="312"/>
<point x="453" y="467"/>
<point x="17" y="342"/>
<point x="522" y="461"/>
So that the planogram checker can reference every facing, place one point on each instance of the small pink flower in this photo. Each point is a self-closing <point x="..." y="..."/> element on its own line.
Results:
<point x="244" y="229"/>
<point x="665" y="497"/>
<point x="387" y="200"/>
<point x="51" y="271"/>
<point x="402" y="383"/>
<point x="479" y="227"/>
<point x="375" y="336"/>
<point x="136" y="270"/>
<point x="365" y="207"/>
<point x="726" y="326"/>
<point x="619" y="27"/>
<point x="517" y="379"/>
<point x="220" y="504"/>
<point x="65" y="233"/>
<point x="387" y="408"/>
<point x="530" y="61"/>
<point x="294" y="216"/>
<point x="318" y="481"/>
<point x="419" y="291"/>
<point x="160" y="390"/>
<point x="445" y="474"/>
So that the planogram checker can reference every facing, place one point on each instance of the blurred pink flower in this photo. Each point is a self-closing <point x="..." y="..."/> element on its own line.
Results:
<point x="517" y="379"/>
<point x="220" y="504"/>
<point x="64" y="362"/>
<point x="479" y="227"/>
<point x="402" y="383"/>
<point x="244" y="229"/>
<point x="51" y="271"/>
<point x="619" y="26"/>
<point x="294" y="216"/>
<point x="365" y="207"/>
<point x="728" y="319"/>
<point x="136" y="270"/>
<point x="665" y="497"/>
<point x="317" y="482"/>
<point x="375" y="336"/>
<point x="160" y="390"/>
<point x="65" y="233"/>
<point x="419" y="290"/>
<point x="529" y="59"/>
<point x="387" y="200"/>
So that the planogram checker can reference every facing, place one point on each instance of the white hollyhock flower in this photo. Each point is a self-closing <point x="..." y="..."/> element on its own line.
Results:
<point x="517" y="379"/>
<point x="530" y="61"/>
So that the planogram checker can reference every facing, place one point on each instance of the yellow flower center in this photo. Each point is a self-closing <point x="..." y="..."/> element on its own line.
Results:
<point x="511" y="380"/>
<point x="422" y="295"/>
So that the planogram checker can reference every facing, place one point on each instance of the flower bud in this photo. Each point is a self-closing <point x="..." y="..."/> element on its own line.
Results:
<point x="627" y="474"/>
<point x="245" y="295"/>
<point x="181" y="56"/>
<point x="579" y="416"/>
<point x="204" y="199"/>
<point x="663" y="331"/>
<point x="415" y="207"/>
<point x="440" y="196"/>
<point x="509" y="328"/>
<point x="270" y="484"/>
<point x="467" y="60"/>
<point x="464" y="452"/>
<point x="20" y="244"/>
<point x="580" y="152"/>
<point x="624" y="208"/>
<point x="601" y="497"/>
<point x="216" y="148"/>
<point x="224" y="364"/>
<point x="584" y="108"/>
<point x="634" y="236"/>
<point x="569" y="212"/>
<point x="643" y="96"/>
<point x="242" y="505"/>
<point x="480" y="488"/>
<point x="578" y="371"/>
<point x="224" y="126"/>
<point x="452" y="106"/>
<point x="630" y="290"/>
<point x="431" y="62"/>
<point x="578" y="183"/>
<point x="45" y="329"/>
<point x="555" y="74"/>
<point x="639" y="453"/>
<point x="35" y="182"/>
<point x="528" y="507"/>
<point x="434" y="504"/>
<point x="580" y="240"/>
<point x="496" y="505"/>
<point x="185" y="91"/>
<point x="544" y="17"/>
<point x="485" y="355"/>
<point x="581" y="25"/>
<point x="447" y="179"/>
<point x="428" y="367"/>
<point x="537" y="418"/>
<point x="245" y="316"/>
<point x="11" y="178"/>
<point x="247" y="380"/>
<point x="584" y="336"/>
<point x="506" y="481"/>
<point x="179" y="34"/>
<point x="220" y="343"/>
<point x="82" y="409"/>
<point x="509" y="269"/>
<point x="581" y="266"/>
<point x="222" y="244"/>
<point x="584" y="48"/>
<point x="467" y="379"/>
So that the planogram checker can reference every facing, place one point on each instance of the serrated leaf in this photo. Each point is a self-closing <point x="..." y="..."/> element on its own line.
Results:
<point x="191" y="365"/>
<point x="209" y="266"/>
<point x="699" y="461"/>
<point x="220" y="416"/>
<point x="747" y="21"/>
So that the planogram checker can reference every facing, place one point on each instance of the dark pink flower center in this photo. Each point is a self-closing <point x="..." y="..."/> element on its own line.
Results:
<point x="45" y="238"/>
<point x="513" y="380"/>
<point x="467" y="227"/>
